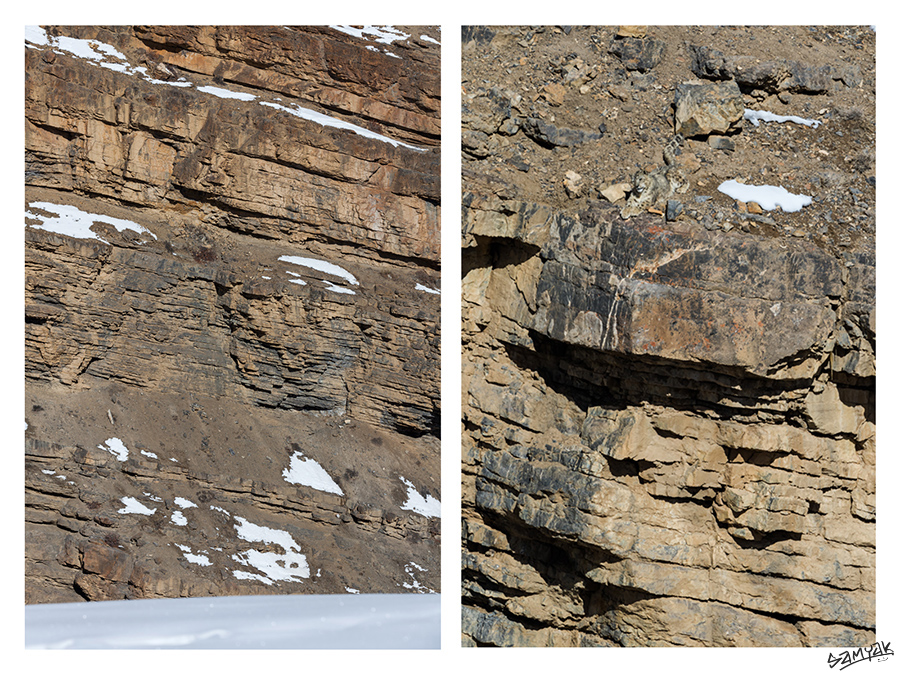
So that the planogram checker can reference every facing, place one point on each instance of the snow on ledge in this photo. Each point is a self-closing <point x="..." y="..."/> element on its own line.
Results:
<point x="73" y="222"/>
<point x="288" y="566"/>
<point x="116" y="447"/>
<point x="427" y="506"/>
<point x="321" y="266"/>
<point x="767" y="196"/>
<point x="308" y="472"/>
<point x="132" y="505"/>
<point x="328" y="121"/>
<point x="383" y="34"/>
<point x="756" y="116"/>
<point x="227" y="93"/>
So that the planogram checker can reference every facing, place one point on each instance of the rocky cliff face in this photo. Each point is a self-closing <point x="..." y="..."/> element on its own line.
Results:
<point x="669" y="415"/>
<point x="232" y="311"/>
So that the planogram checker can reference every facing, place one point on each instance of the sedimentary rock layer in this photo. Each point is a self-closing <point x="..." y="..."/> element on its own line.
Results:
<point x="232" y="261"/>
<point x="660" y="430"/>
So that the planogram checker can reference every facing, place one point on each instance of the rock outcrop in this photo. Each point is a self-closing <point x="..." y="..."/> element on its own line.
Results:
<point x="669" y="421"/>
<point x="232" y="259"/>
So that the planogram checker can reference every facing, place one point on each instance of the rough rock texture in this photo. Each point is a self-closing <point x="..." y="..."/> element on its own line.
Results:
<point x="232" y="377"/>
<point x="669" y="423"/>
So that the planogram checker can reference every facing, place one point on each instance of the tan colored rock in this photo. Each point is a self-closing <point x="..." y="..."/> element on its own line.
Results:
<point x="632" y="31"/>
<point x="574" y="184"/>
<point x="829" y="415"/>
<point x="616" y="192"/>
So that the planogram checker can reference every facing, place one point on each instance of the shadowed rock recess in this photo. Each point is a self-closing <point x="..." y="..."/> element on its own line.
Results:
<point x="232" y="294"/>
<point x="668" y="420"/>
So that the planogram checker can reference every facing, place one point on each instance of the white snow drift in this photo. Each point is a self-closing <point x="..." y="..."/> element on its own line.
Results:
<point x="115" y="447"/>
<point x="308" y="472"/>
<point x="427" y="506"/>
<point x="73" y="222"/>
<point x="288" y="566"/>
<point x="767" y="196"/>
<point x="398" y="621"/>
<point x="132" y="505"/>
<point x="325" y="268"/>
<point x="756" y="116"/>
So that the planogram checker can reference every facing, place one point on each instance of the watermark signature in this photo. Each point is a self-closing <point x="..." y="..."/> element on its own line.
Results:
<point x="879" y="650"/>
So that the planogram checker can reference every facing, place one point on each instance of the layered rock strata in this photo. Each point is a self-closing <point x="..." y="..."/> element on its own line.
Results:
<point x="232" y="310"/>
<point x="668" y="429"/>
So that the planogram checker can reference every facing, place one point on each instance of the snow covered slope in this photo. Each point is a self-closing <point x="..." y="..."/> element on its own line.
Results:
<point x="371" y="621"/>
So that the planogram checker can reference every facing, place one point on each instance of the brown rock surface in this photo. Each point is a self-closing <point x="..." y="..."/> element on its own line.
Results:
<point x="256" y="298"/>
<point x="668" y="423"/>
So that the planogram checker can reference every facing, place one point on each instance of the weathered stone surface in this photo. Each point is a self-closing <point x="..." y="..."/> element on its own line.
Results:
<point x="272" y="301"/>
<point x="772" y="75"/>
<point x="638" y="53"/>
<point x="703" y="108"/>
<point x="552" y="135"/>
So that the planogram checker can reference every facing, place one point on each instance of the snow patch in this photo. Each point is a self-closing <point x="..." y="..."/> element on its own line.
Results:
<point x="151" y="455"/>
<point x="185" y="503"/>
<point x="328" y="121"/>
<point x="196" y="558"/>
<point x="321" y="266"/>
<point x="427" y="506"/>
<point x="756" y="116"/>
<point x="288" y="566"/>
<point x="376" y="621"/>
<point x="226" y="93"/>
<point x="36" y="35"/>
<point x="411" y="569"/>
<point x="305" y="471"/>
<point x="179" y="519"/>
<point x="420" y="287"/>
<point x="115" y="447"/>
<point x="339" y="289"/>
<point x="383" y="34"/>
<point x="350" y="590"/>
<point x="132" y="505"/>
<point x="73" y="222"/>
<point x="767" y="196"/>
<point x="428" y="38"/>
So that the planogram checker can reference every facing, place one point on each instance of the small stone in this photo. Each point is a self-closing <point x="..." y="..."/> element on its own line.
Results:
<point x="574" y="184"/>
<point x="674" y="209"/>
<point x="554" y="93"/>
<point x="753" y="207"/>
<point x="721" y="143"/>
<point x="614" y="193"/>
<point x="621" y="92"/>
